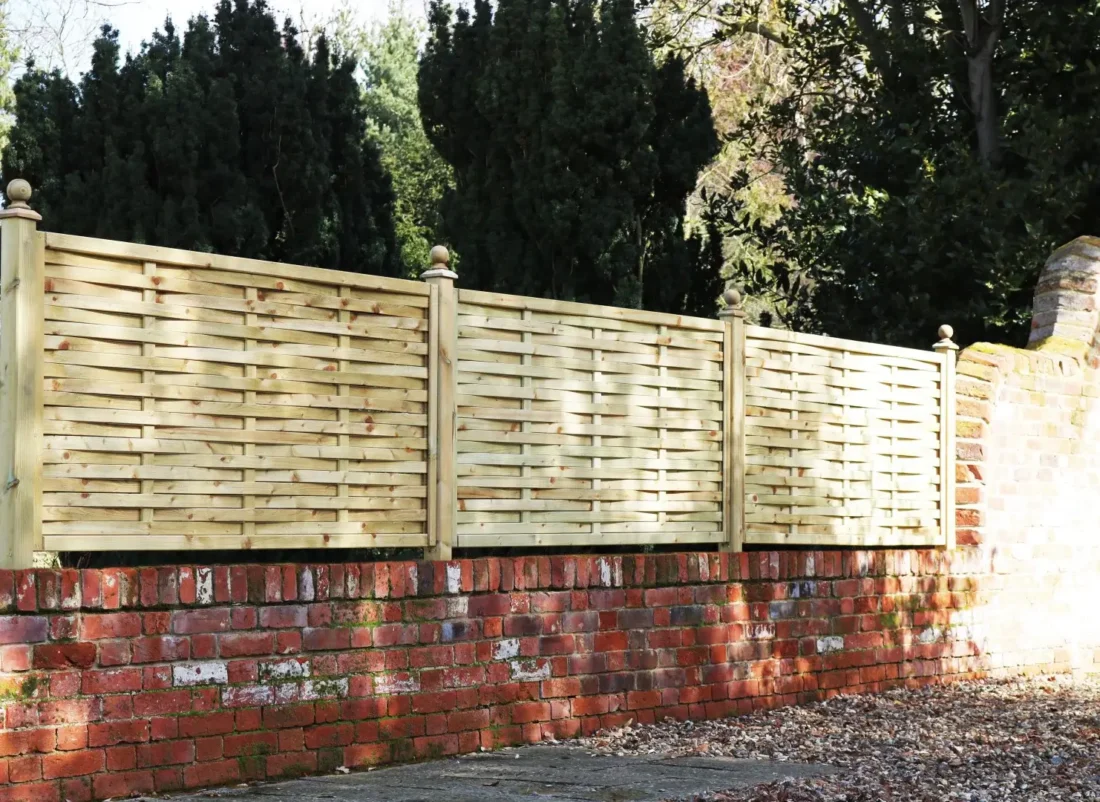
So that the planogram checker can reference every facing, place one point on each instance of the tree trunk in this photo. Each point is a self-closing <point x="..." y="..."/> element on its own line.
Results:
<point x="983" y="31"/>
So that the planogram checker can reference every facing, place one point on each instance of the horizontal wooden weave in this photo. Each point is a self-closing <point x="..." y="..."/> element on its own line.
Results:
<point x="581" y="424"/>
<point x="200" y="401"/>
<point x="842" y="442"/>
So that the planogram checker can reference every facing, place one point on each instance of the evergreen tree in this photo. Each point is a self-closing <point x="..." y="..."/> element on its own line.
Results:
<point x="230" y="140"/>
<point x="573" y="153"/>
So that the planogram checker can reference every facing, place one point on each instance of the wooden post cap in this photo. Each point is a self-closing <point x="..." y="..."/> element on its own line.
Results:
<point x="19" y="192"/>
<point x="946" y="333"/>
<point x="440" y="267"/>
<point x="732" y="298"/>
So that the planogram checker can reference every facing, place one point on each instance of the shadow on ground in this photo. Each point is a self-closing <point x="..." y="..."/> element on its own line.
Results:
<point x="540" y="772"/>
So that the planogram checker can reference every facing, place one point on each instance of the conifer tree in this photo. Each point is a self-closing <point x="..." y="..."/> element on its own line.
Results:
<point x="229" y="140"/>
<point x="573" y="153"/>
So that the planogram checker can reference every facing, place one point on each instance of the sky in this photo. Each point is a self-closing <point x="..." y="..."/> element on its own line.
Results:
<point x="61" y="30"/>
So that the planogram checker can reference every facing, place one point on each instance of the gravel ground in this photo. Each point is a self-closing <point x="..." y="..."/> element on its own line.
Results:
<point x="993" y="741"/>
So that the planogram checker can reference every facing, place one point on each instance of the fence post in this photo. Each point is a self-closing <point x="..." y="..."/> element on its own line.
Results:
<point x="733" y="421"/>
<point x="442" y="410"/>
<point x="947" y="434"/>
<point x="22" y="366"/>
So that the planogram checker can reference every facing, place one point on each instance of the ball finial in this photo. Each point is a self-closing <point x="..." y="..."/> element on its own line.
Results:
<point x="19" y="192"/>
<point x="732" y="298"/>
<point x="946" y="332"/>
<point x="440" y="256"/>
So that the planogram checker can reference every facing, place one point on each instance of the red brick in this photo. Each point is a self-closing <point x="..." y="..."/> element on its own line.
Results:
<point x="210" y="724"/>
<point x="70" y="738"/>
<point x="25" y="593"/>
<point x="160" y="703"/>
<point x="276" y="717"/>
<point x="360" y="755"/>
<point x="122" y="784"/>
<point x="25" y="769"/>
<point x="23" y="629"/>
<point x="468" y="720"/>
<point x="117" y="680"/>
<point x="292" y="764"/>
<point x="187" y="622"/>
<point x="76" y="789"/>
<point x="16" y="657"/>
<point x="109" y="625"/>
<point x="243" y="644"/>
<point x="526" y="712"/>
<point x="250" y="743"/>
<point x="73" y="764"/>
<point x="284" y="616"/>
<point x="161" y="649"/>
<point x="70" y="711"/>
<point x="121" y="758"/>
<point x="23" y="742"/>
<point x="204" y="775"/>
<point x="207" y="749"/>
<point x="326" y="639"/>
<point x="610" y="642"/>
<point x="30" y="792"/>
<point x="118" y="732"/>
<point x="165" y="753"/>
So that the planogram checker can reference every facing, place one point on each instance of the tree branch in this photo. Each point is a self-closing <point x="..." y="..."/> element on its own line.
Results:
<point x="734" y="27"/>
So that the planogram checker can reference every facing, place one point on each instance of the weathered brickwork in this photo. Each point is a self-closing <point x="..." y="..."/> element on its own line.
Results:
<point x="1028" y="467"/>
<point x="122" y="681"/>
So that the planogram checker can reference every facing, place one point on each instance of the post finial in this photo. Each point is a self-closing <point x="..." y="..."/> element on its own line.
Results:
<point x="440" y="256"/>
<point x="945" y="344"/>
<point x="732" y="299"/>
<point x="19" y="192"/>
<point x="440" y="264"/>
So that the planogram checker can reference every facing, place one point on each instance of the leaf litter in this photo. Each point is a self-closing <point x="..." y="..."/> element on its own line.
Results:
<point x="1024" y="740"/>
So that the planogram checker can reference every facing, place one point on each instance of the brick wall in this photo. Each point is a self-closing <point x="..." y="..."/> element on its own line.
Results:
<point x="122" y="681"/>
<point x="1028" y="469"/>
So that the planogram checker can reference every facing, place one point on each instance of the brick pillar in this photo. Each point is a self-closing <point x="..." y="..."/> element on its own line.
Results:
<point x="1066" y="310"/>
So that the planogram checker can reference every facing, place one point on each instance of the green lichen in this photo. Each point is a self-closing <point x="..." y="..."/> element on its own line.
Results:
<point x="19" y="689"/>
<point x="889" y="620"/>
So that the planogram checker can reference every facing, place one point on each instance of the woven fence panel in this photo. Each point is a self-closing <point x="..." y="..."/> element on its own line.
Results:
<point x="198" y="401"/>
<point x="843" y="442"/>
<point x="582" y="424"/>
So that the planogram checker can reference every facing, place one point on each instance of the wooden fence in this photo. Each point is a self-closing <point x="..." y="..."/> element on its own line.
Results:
<point x="153" y="398"/>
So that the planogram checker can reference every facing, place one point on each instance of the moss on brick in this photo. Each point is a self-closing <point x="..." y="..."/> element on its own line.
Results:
<point x="1062" y="346"/>
<point x="889" y="620"/>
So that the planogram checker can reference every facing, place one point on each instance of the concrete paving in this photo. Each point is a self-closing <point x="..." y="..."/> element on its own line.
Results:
<point x="544" y="773"/>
